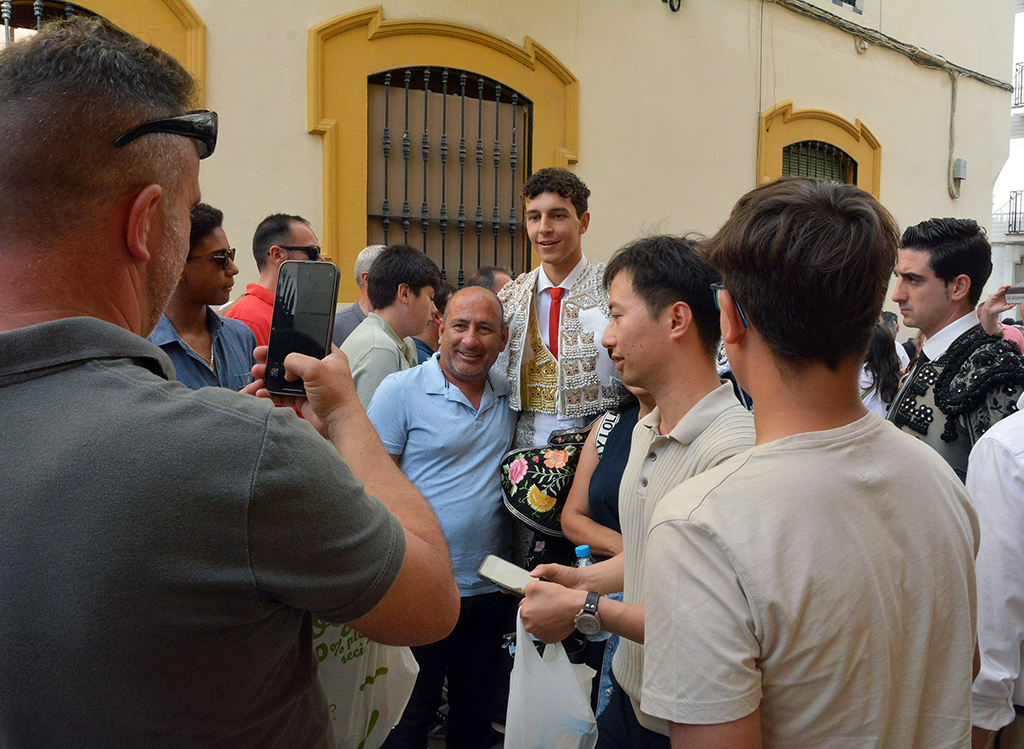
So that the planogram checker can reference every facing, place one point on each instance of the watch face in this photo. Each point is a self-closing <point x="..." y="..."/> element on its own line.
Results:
<point x="588" y="624"/>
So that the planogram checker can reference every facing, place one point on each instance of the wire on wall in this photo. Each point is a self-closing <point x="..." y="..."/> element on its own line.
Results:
<point x="919" y="55"/>
<point x="952" y="182"/>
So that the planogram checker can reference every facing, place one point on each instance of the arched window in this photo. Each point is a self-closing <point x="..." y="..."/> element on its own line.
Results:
<point x="817" y="143"/>
<point x="815" y="158"/>
<point x="448" y="154"/>
<point x="349" y="59"/>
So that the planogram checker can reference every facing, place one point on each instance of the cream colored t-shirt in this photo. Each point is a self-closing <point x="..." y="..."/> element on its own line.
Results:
<point x="827" y="577"/>
<point x="715" y="429"/>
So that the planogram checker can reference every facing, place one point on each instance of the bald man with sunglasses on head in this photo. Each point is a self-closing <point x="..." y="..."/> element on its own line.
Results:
<point x="205" y="348"/>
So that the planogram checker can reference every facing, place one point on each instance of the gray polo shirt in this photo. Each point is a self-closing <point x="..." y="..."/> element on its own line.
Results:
<point x="164" y="550"/>
<point x="346" y="321"/>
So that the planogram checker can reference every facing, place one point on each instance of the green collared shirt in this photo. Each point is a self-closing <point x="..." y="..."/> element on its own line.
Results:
<point x="374" y="351"/>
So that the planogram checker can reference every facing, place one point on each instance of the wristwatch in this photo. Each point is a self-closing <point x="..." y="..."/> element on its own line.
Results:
<point x="587" y="621"/>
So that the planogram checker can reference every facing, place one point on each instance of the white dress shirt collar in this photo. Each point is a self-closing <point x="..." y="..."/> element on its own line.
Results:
<point x="936" y="346"/>
<point x="543" y="282"/>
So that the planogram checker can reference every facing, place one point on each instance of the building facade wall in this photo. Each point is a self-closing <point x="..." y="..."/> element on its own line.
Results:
<point x="669" y="102"/>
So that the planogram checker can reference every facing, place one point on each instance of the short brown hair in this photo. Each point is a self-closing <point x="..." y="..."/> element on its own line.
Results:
<point x="809" y="261"/>
<point x="66" y="93"/>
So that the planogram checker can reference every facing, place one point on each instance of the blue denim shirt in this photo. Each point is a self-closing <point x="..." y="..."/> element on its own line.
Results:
<point x="233" y="343"/>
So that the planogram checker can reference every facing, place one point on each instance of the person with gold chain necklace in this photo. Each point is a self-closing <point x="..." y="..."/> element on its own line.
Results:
<point x="205" y="348"/>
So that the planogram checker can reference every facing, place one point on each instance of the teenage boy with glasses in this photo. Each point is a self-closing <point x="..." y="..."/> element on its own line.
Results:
<point x="278" y="238"/>
<point x="205" y="348"/>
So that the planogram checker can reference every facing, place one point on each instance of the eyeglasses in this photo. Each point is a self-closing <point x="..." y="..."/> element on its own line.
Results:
<point x="223" y="257"/>
<point x="201" y="126"/>
<point x="312" y="250"/>
<point x="719" y="287"/>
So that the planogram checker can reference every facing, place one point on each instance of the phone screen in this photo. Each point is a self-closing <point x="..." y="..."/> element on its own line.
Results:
<point x="307" y="294"/>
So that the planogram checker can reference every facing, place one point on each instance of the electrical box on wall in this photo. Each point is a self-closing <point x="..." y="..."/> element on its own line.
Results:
<point x="960" y="169"/>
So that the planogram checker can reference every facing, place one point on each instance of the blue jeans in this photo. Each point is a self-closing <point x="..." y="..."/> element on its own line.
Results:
<point x="611" y="644"/>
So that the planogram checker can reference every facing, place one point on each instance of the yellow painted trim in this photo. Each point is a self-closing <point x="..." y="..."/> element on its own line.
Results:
<point x="183" y="35"/>
<point x="195" y="44"/>
<point x="356" y="45"/>
<point x="782" y="125"/>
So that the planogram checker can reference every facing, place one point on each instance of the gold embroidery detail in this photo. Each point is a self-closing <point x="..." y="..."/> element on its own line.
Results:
<point x="540" y="372"/>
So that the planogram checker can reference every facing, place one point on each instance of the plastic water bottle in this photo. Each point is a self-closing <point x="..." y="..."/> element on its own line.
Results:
<point x="584" y="559"/>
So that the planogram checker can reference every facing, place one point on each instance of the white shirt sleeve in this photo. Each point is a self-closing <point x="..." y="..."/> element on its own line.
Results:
<point x="903" y="356"/>
<point x="995" y="481"/>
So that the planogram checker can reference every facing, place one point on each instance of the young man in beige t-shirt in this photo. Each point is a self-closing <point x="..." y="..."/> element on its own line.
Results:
<point x="818" y="590"/>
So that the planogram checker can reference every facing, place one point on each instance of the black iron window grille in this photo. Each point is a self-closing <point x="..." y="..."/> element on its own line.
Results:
<point x="31" y="14"/>
<point x="1015" y="219"/>
<point x="456" y="146"/>
<point x="1018" y="85"/>
<point x="815" y="158"/>
<point x="854" y="5"/>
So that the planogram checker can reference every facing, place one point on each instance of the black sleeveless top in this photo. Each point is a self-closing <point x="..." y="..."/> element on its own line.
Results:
<point x="604" y="483"/>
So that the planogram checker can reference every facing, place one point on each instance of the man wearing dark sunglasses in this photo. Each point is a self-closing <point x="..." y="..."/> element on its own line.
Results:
<point x="205" y="348"/>
<point x="166" y="549"/>
<point x="278" y="238"/>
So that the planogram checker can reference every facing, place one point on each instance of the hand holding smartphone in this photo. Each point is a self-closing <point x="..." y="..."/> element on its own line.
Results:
<point x="505" y="575"/>
<point x="303" y="321"/>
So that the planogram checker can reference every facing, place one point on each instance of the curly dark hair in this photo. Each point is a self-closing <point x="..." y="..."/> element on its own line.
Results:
<point x="205" y="218"/>
<point x="562" y="182"/>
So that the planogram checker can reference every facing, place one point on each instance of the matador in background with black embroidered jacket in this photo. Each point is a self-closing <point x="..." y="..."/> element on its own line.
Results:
<point x="965" y="380"/>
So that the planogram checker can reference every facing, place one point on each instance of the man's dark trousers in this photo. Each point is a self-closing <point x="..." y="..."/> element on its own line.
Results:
<point x="478" y="672"/>
<point x="619" y="728"/>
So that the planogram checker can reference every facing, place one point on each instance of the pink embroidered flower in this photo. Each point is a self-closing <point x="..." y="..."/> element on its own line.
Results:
<point x="556" y="458"/>
<point x="517" y="470"/>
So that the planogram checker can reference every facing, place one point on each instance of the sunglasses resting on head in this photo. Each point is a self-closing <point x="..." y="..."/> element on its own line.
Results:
<point x="200" y="125"/>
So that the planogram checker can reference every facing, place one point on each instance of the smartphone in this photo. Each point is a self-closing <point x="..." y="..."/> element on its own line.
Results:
<point x="303" y="321"/>
<point x="1015" y="295"/>
<point x="505" y="575"/>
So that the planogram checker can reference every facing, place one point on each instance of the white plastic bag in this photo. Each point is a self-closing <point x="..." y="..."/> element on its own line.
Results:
<point x="547" y="706"/>
<point x="367" y="684"/>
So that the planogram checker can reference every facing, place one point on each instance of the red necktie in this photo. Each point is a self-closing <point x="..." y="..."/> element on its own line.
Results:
<point x="553" y="318"/>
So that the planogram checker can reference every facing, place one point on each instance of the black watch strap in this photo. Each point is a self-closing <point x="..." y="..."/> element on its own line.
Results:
<point x="590" y="605"/>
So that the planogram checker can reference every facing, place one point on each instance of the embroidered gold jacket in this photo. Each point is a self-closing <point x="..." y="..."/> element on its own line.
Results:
<point x="586" y="382"/>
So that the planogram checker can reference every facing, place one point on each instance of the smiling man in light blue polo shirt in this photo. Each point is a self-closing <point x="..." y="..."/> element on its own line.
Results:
<point x="447" y="424"/>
